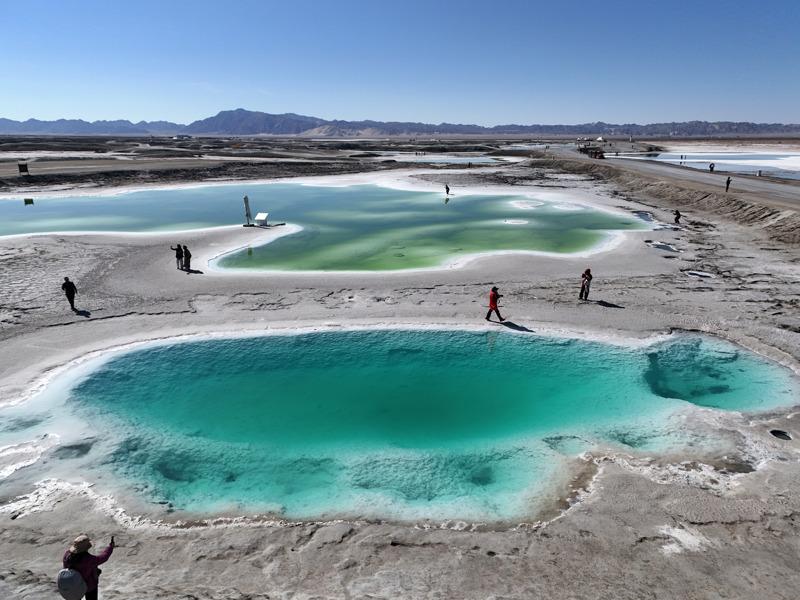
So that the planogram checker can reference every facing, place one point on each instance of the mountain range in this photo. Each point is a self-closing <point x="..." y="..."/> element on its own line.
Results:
<point x="247" y="122"/>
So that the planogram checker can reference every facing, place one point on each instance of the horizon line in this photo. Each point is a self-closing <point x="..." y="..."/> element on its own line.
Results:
<point x="334" y="120"/>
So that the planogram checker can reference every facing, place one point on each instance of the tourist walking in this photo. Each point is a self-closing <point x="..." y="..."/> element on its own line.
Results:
<point x="494" y="296"/>
<point x="69" y="291"/>
<point x="728" y="184"/>
<point x="178" y="256"/>
<point x="678" y="216"/>
<point x="586" y="282"/>
<point x="187" y="259"/>
<point x="711" y="167"/>
<point x="77" y="558"/>
<point x="446" y="189"/>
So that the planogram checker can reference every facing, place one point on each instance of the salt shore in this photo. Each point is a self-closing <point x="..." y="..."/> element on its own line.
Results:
<point x="625" y="526"/>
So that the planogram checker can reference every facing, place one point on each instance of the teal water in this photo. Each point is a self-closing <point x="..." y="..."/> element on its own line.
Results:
<point x="398" y="424"/>
<point x="443" y="158"/>
<point x="365" y="227"/>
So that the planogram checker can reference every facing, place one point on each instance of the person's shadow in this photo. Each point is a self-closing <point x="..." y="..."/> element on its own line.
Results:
<point x="605" y="304"/>
<point x="193" y="272"/>
<point x="82" y="312"/>
<point x="515" y="327"/>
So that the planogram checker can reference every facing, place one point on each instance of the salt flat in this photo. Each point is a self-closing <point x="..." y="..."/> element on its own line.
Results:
<point x="661" y="524"/>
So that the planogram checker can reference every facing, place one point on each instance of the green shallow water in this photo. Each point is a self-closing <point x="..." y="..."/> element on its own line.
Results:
<point x="369" y="228"/>
<point x="394" y="423"/>
<point x="355" y="228"/>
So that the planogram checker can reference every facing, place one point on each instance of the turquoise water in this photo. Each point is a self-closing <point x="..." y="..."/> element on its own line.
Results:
<point x="398" y="424"/>
<point x="354" y="228"/>
<point x="443" y="158"/>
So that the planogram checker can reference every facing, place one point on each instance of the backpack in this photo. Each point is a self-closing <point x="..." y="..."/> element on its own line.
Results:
<point x="71" y="585"/>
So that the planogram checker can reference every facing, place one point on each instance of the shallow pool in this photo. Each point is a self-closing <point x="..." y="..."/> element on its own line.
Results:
<point x="370" y="228"/>
<point x="443" y="158"/>
<point x="381" y="423"/>
<point x="351" y="228"/>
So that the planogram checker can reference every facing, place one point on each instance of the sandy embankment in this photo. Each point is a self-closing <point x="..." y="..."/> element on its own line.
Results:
<point x="644" y="527"/>
<point x="769" y="207"/>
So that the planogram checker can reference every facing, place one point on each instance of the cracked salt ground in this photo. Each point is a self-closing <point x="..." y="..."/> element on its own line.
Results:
<point x="685" y="539"/>
<point x="715" y="479"/>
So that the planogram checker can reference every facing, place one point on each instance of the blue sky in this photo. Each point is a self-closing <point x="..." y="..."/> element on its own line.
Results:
<point x="457" y="61"/>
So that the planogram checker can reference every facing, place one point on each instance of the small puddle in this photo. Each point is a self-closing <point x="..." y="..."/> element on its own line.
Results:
<point x="701" y="274"/>
<point x="661" y="246"/>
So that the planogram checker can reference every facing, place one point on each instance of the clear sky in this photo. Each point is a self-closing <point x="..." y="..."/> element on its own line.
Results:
<point x="460" y="61"/>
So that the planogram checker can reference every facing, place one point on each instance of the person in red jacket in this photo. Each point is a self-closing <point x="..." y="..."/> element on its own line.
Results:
<point x="77" y="557"/>
<point x="494" y="295"/>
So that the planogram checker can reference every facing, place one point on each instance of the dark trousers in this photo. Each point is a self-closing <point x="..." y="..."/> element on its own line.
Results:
<point x="179" y="261"/>
<point x="584" y="293"/>
<point x="71" y="300"/>
<point x="497" y="312"/>
<point x="91" y="595"/>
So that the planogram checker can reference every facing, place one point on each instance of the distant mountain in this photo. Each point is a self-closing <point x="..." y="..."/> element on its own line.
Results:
<point x="674" y="129"/>
<point x="247" y="122"/>
<point x="160" y="127"/>
<point x="81" y="127"/>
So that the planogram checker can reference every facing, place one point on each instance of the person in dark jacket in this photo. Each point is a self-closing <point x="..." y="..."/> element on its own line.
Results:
<point x="77" y="557"/>
<point x="69" y="291"/>
<point x="187" y="259"/>
<point x="178" y="256"/>
<point x="586" y="282"/>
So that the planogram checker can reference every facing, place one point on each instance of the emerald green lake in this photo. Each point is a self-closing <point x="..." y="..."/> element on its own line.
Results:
<point x="388" y="423"/>
<point x="352" y="228"/>
<point x="370" y="228"/>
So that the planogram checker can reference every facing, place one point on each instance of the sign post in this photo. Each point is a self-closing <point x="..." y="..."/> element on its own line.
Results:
<point x="247" y="214"/>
